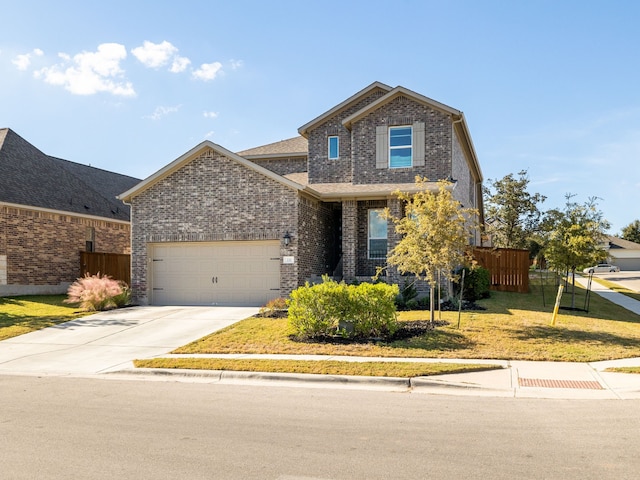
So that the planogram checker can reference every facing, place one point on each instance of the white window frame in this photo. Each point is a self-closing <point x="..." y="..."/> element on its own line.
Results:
<point x="391" y="149"/>
<point x="337" y="147"/>
<point x="370" y="237"/>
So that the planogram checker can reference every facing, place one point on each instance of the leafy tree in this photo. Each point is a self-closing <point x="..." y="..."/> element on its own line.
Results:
<point x="512" y="212"/>
<point x="435" y="233"/>
<point x="575" y="237"/>
<point x="632" y="232"/>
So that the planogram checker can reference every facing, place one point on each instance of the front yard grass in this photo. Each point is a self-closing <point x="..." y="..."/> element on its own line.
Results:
<point x="324" y="367"/>
<point x="20" y="315"/>
<point x="513" y="327"/>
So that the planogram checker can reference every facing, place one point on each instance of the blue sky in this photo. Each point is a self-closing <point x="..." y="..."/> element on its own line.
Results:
<point x="551" y="87"/>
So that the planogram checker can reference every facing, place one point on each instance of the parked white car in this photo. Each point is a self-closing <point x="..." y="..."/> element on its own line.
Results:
<point x="602" y="267"/>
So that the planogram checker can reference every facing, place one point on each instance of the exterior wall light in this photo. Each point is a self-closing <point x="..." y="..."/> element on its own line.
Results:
<point x="287" y="238"/>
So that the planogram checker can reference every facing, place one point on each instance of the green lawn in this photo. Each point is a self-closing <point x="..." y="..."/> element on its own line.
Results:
<point x="19" y="315"/>
<point x="513" y="326"/>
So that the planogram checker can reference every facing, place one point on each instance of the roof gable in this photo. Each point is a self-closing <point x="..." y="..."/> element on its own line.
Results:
<point x="392" y="95"/>
<point x="620" y="243"/>
<point x="304" y="130"/>
<point x="32" y="178"/>
<point x="187" y="157"/>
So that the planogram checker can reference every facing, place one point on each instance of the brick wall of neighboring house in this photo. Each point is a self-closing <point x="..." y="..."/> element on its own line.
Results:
<point x="42" y="248"/>
<point x="213" y="198"/>
<point x="316" y="250"/>
<point x="402" y="111"/>
<point x="323" y="170"/>
<point x="283" y="166"/>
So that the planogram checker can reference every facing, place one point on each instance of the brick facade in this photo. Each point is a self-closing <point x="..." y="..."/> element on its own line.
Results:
<point x="283" y="166"/>
<point x="213" y="198"/>
<point x="42" y="248"/>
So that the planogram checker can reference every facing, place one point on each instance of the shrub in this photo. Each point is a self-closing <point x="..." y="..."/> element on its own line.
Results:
<point x="477" y="281"/>
<point x="96" y="293"/>
<point x="274" y="308"/>
<point x="317" y="310"/>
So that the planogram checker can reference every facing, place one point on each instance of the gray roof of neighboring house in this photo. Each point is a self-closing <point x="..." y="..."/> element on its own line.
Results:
<point x="615" y="243"/>
<point x="291" y="147"/>
<point x="32" y="178"/>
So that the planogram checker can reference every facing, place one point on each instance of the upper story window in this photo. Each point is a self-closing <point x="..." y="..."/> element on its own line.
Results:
<point x="334" y="147"/>
<point x="377" y="237"/>
<point x="400" y="147"/>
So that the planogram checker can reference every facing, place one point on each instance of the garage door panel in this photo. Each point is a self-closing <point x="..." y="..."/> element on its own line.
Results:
<point x="233" y="273"/>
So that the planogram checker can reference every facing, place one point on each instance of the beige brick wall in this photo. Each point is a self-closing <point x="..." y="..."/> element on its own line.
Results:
<point x="42" y="248"/>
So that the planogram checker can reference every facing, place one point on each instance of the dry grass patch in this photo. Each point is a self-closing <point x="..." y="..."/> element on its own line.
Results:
<point x="513" y="326"/>
<point x="623" y="369"/>
<point x="323" y="367"/>
<point x="20" y="315"/>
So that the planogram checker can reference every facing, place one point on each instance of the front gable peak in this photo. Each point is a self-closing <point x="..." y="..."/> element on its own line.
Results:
<point x="304" y="130"/>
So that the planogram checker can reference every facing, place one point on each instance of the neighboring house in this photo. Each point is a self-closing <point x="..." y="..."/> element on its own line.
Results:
<point x="217" y="227"/>
<point x="624" y="254"/>
<point x="50" y="210"/>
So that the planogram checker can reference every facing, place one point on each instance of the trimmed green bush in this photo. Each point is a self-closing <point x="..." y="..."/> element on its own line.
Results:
<point x="317" y="310"/>
<point x="477" y="283"/>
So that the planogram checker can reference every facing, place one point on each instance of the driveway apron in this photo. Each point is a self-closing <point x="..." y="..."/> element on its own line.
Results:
<point x="109" y="341"/>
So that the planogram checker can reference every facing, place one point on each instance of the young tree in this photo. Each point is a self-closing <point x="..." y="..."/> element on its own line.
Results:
<point x="632" y="232"/>
<point x="575" y="237"/>
<point x="511" y="211"/>
<point x="435" y="233"/>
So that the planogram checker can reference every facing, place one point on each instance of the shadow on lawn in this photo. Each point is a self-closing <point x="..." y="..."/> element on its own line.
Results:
<point x="438" y="340"/>
<point x="568" y="336"/>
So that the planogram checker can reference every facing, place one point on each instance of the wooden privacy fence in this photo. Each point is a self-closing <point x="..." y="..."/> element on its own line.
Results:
<point x="116" y="265"/>
<point x="509" y="267"/>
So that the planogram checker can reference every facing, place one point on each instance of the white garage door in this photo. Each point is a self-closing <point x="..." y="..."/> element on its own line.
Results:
<point x="217" y="273"/>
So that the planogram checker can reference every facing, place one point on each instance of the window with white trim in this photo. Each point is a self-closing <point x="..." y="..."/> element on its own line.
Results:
<point x="377" y="234"/>
<point x="334" y="147"/>
<point x="400" y="147"/>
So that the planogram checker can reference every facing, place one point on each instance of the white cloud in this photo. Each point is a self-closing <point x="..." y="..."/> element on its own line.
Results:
<point x="236" y="64"/>
<point x="207" y="71"/>
<point x="154" y="55"/>
<point x="209" y="134"/>
<point x="210" y="114"/>
<point x="90" y="72"/>
<point x="22" y="62"/>
<point x="179" y="64"/>
<point x="161" y="112"/>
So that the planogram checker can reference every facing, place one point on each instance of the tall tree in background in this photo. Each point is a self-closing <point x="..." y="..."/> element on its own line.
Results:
<point x="632" y="232"/>
<point x="575" y="237"/>
<point x="511" y="211"/>
<point x="435" y="232"/>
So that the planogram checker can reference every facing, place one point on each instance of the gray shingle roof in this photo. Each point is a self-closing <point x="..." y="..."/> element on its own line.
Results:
<point x="297" y="146"/>
<point x="32" y="178"/>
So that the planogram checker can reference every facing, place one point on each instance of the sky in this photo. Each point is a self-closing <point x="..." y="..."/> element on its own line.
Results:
<point x="550" y="87"/>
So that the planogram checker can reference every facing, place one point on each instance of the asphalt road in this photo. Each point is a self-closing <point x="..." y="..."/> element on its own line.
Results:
<point x="63" y="427"/>
<point x="627" y="279"/>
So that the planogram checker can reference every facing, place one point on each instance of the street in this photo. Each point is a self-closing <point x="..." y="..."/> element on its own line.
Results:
<point x="63" y="427"/>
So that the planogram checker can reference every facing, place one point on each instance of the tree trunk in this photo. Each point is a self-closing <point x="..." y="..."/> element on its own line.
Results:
<point x="432" y="303"/>
<point x="573" y="288"/>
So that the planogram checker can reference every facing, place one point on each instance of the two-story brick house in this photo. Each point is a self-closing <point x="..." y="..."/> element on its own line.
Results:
<point x="217" y="227"/>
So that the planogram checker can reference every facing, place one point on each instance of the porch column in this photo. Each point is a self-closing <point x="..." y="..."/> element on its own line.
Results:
<point x="349" y="239"/>
<point x="395" y="207"/>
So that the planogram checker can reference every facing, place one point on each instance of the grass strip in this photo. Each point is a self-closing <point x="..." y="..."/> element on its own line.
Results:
<point x="616" y="287"/>
<point x="623" y="369"/>
<point x="323" y="367"/>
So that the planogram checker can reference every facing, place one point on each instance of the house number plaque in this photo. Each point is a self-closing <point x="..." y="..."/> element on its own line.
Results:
<point x="214" y="279"/>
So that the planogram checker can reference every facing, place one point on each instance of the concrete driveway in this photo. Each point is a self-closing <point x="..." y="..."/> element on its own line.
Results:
<point x="627" y="279"/>
<point x="109" y="341"/>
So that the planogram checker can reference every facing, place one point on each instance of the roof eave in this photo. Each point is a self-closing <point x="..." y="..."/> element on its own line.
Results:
<point x="396" y="92"/>
<point x="190" y="155"/>
<point x="304" y="130"/>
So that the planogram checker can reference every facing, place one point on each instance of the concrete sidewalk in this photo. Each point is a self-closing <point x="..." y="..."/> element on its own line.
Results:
<point x="627" y="302"/>
<point x="520" y="379"/>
